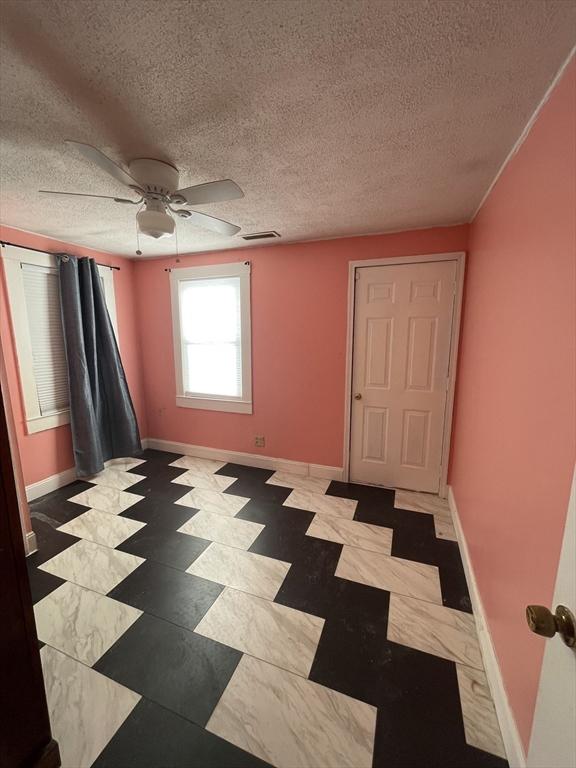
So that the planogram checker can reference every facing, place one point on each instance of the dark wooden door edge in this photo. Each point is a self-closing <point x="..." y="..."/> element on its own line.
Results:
<point x="25" y="736"/>
<point x="49" y="757"/>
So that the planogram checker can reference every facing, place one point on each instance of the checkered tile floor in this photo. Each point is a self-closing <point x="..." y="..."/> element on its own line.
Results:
<point x="194" y="614"/>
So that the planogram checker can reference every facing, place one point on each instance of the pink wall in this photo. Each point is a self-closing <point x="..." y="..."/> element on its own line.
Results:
<point x="299" y="300"/>
<point x="514" y="434"/>
<point x="49" y="452"/>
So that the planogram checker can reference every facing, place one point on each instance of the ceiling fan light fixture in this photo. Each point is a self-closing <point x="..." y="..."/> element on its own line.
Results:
<point x="155" y="222"/>
<point x="156" y="182"/>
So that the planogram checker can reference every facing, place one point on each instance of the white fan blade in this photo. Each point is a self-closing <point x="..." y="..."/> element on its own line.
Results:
<point x="211" y="192"/>
<point x="104" y="162"/>
<point x="212" y="223"/>
<point x="81" y="194"/>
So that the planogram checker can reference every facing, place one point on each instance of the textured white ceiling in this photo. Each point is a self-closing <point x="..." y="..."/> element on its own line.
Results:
<point x="336" y="117"/>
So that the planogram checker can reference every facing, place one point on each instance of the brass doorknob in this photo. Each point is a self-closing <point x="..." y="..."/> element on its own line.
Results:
<point x="544" y="622"/>
<point x="357" y="396"/>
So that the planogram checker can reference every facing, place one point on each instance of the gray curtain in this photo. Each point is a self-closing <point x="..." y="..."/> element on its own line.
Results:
<point x="102" y="416"/>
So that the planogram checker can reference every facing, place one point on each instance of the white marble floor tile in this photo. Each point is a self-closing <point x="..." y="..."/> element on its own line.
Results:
<point x="478" y="711"/>
<point x="124" y="464"/>
<point x="224" y="530"/>
<point x="321" y="504"/>
<point x="212" y="501"/>
<point x="390" y="573"/>
<point x="373" y="538"/>
<point x="282" y="636"/>
<point x="92" y="565"/>
<point x="102" y="527"/>
<point x="304" y="482"/>
<point x="86" y="708"/>
<point x="206" y="481"/>
<point x="256" y="574"/>
<point x="112" y="477"/>
<point x="422" y="502"/>
<point x="200" y="466"/>
<point x="444" y="529"/>
<point x="106" y="499"/>
<point x="292" y="722"/>
<point x="82" y="623"/>
<point x="434" y="629"/>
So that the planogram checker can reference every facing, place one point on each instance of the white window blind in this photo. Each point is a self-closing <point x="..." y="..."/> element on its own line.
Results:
<point x="210" y="323"/>
<point x="42" y="296"/>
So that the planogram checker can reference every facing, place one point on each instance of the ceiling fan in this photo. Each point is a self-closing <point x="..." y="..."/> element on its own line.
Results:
<point x="156" y="183"/>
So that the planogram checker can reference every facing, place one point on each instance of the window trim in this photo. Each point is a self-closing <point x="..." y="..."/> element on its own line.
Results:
<point x="13" y="258"/>
<point x="242" y="404"/>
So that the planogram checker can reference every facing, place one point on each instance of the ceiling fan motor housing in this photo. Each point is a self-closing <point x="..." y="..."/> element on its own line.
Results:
<point x="154" y="176"/>
<point x="154" y="222"/>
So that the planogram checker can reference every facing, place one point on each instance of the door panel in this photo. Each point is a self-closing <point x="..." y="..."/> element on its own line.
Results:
<point x="553" y="740"/>
<point x="421" y="353"/>
<point x="415" y="439"/>
<point x="402" y="329"/>
<point x="375" y="433"/>
<point x="378" y="357"/>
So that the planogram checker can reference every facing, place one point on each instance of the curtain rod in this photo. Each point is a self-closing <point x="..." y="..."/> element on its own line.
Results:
<point x="50" y="253"/>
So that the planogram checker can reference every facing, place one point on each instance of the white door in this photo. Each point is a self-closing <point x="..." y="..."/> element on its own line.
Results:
<point x="553" y="741"/>
<point x="402" y="330"/>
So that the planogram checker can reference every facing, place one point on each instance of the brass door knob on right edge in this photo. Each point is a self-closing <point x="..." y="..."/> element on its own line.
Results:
<point x="543" y="622"/>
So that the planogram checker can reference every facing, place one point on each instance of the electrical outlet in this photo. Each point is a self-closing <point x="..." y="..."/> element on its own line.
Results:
<point x="259" y="441"/>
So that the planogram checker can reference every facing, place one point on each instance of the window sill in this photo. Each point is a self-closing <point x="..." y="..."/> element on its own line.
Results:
<point x="213" y="404"/>
<point x="53" y="420"/>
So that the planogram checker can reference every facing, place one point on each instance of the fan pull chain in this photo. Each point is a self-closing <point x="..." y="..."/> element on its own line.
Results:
<point x="176" y="234"/>
<point x="138" y="251"/>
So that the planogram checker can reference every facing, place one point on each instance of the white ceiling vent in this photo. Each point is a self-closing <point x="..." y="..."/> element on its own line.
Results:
<point x="261" y="235"/>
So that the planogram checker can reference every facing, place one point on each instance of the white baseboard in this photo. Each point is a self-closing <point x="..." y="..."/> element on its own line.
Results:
<point x="52" y="483"/>
<point x="30" y="543"/>
<point x="249" y="459"/>
<point x="510" y="735"/>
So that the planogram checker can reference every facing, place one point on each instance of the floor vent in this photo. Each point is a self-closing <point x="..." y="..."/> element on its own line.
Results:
<point x="260" y="236"/>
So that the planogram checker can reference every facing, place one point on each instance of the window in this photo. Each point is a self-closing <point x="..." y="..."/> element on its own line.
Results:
<point x="211" y="320"/>
<point x="34" y="296"/>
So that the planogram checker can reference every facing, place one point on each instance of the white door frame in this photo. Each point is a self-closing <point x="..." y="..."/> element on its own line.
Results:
<point x="460" y="259"/>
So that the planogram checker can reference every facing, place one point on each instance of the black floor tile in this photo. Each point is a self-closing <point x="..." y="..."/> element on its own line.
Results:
<point x="55" y="509"/>
<point x="58" y="513"/>
<point x="42" y="583"/>
<point x="276" y="515"/>
<point x="178" y="550"/>
<point x="355" y="658"/>
<point x="257" y="474"/>
<point x="412" y="530"/>
<point x="310" y="584"/>
<point x="329" y="596"/>
<point x="156" y="470"/>
<point x="159" y="513"/>
<point x="254" y="488"/>
<point x="454" y="588"/>
<point x="162" y="457"/>
<point x="167" y="593"/>
<point x="154" y="737"/>
<point x="377" y="497"/>
<point x="180" y="670"/>
<point x="61" y="494"/>
<point x="160" y="487"/>
<point x="49" y="540"/>
<point x="314" y="556"/>
<point x="419" y="717"/>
